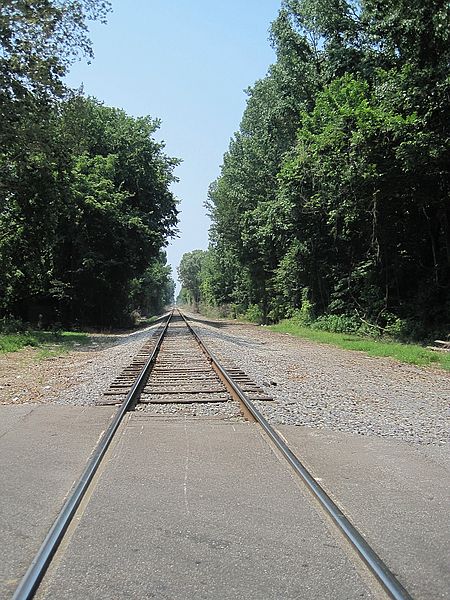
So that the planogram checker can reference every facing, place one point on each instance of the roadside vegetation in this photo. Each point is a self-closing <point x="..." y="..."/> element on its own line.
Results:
<point x="333" y="197"/>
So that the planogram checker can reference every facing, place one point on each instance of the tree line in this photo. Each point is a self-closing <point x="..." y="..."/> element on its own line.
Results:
<point x="85" y="204"/>
<point x="333" y="197"/>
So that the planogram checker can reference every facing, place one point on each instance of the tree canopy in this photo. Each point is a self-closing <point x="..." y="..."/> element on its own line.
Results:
<point x="85" y="204"/>
<point x="335" y="190"/>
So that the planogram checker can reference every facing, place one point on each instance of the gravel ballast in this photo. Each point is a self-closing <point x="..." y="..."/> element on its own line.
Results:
<point x="317" y="385"/>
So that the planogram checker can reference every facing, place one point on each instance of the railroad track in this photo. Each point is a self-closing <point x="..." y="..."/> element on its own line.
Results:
<point x="182" y="374"/>
<point x="175" y="367"/>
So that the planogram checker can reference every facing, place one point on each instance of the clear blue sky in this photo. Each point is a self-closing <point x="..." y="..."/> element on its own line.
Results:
<point x="186" y="62"/>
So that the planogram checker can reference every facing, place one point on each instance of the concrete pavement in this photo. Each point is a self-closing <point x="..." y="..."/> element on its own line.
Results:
<point x="201" y="509"/>
<point x="43" y="450"/>
<point x="397" y="494"/>
<point x="204" y="508"/>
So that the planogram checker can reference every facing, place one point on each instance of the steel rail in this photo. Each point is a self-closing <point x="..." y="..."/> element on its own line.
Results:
<point x="375" y="564"/>
<point x="32" y="578"/>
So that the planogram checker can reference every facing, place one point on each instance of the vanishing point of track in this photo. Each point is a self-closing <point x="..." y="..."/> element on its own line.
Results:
<point x="181" y="371"/>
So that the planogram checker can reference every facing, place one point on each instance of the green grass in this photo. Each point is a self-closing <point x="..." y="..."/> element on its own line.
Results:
<point x="49" y="343"/>
<point x="147" y="321"/>
<point x="407" y="353"/>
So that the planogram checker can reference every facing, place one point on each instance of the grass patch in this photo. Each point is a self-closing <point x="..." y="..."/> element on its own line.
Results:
<point x="50" y="343"/>
<point x="146" y="321"/>
<point x="407" y="353"/>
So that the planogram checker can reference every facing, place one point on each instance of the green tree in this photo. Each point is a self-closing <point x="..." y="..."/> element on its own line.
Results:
<point x="154" y="289"/>
<point x="241" y="200"/>
<point x="39" y="40"/>
<point x="335" y="190"/>
<point x="85" y="206"/>
<point x="190" y="275"/>
<point x="122" y="211"/>
<point x="108" y="213"/>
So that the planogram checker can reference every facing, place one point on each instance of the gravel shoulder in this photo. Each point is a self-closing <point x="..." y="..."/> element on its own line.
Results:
<point x="320" y="386"/>
<point x="77" y="378"/>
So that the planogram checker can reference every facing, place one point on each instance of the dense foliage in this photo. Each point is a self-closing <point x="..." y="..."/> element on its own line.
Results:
<point x="333" y="197"/>
<point x="191" y="273"/>
<point x="85" y="206"/>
